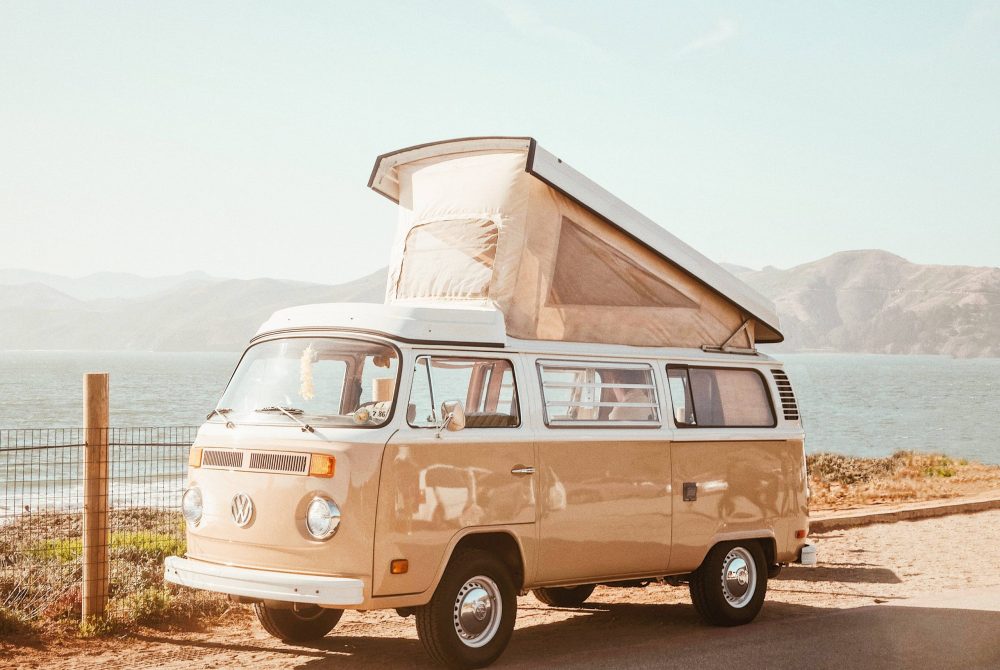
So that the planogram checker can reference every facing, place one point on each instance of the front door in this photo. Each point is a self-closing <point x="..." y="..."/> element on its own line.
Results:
<point x="436" y="483"/>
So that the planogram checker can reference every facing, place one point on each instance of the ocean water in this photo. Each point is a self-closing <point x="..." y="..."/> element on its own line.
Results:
<point x="866" y="405"/>
<point x="44" y="389"/>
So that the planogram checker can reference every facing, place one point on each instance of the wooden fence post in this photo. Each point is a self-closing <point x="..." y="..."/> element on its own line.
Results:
<point x="95" y="495"/>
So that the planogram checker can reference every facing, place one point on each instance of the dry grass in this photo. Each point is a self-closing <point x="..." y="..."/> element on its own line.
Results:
<point x="40" y="571"/>
<point x="840" y="482"/>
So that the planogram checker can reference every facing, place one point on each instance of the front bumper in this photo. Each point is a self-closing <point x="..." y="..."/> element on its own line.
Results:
<point x="264" y="584"/>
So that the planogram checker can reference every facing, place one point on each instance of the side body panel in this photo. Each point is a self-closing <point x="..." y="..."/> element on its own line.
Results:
<point x="606" y="512"/>
<point x="744" y="489"/>
<point x="604" y="503"/>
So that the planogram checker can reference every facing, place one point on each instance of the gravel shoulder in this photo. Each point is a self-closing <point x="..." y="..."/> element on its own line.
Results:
<point x="877" y="566"/>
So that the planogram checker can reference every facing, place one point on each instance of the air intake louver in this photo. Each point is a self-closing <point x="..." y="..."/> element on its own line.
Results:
<point x="290" y="463"/>
<point x="217" y="458"/>
<point x="256" y="461"/>
<point x="788" y="405"/>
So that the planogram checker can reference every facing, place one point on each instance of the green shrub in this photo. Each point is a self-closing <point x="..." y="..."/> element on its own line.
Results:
<point x="61" y="550"/>
<point x="130" y="545"/>
<point x="12" y="622"/>
<point x="96" y="626"/>
<point x="850" y="469"/>
<point x="148" y="606"/>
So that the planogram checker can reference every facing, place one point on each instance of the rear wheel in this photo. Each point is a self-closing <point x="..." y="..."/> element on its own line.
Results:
<point x="565" y="596"/>
<point x="728" y="589"/>
<point x="470" y="618"/>
<point x="298" y="623"/>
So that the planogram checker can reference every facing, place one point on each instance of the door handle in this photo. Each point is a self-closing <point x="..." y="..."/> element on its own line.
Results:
<point x="521" y="470"/>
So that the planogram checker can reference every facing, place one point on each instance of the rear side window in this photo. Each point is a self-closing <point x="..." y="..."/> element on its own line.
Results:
<point x="719" y="398"/>
<point x="582" y="394"/>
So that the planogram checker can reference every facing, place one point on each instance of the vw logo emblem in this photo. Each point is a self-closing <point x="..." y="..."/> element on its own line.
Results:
<point x="242" y="509"/>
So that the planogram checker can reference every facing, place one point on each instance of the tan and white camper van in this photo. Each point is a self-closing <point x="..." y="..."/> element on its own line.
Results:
<point x="556" y="394"/>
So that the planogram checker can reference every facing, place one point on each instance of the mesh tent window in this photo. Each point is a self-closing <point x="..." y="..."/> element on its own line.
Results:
<point x="450" y="259"/>
<point x="589" y="271"/>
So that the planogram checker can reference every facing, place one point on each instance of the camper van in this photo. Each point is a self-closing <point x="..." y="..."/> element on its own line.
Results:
<point x="556" y="394"/>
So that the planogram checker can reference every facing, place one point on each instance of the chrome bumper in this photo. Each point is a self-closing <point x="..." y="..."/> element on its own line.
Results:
<point x="808" y="555"/>
<point x="263" y="584"/>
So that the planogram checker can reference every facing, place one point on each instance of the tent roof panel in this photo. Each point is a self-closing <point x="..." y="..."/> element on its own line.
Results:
<point x="553" y="171"/>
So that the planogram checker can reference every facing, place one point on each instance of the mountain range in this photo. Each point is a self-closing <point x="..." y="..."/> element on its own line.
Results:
<point x="853" y="301"/>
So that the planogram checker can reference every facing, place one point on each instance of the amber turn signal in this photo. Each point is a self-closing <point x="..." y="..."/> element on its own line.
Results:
<point x="399" y="566"/>
<point x="800" y="534"/>
<point x="322" y="465"/>
<point x="194" y="458"/>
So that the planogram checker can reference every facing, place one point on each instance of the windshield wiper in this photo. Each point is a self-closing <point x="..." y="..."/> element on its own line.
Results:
<point x="222" y="411"/>
<point x="290" y="412"/>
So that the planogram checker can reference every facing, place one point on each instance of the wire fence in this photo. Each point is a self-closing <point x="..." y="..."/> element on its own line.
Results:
<point x="42" y="474"/>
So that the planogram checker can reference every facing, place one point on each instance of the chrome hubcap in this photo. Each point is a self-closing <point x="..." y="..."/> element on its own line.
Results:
<point x="477" y="611"/>
<point x="739" y="577"/>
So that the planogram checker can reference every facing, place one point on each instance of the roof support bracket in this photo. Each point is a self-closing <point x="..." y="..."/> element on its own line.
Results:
<point x="727" y="346"/>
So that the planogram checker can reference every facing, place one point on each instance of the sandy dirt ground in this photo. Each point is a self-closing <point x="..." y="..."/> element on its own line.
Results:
<point x="862" y="567"/>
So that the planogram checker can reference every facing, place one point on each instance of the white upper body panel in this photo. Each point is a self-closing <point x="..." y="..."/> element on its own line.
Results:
<point x="462" y="326"/>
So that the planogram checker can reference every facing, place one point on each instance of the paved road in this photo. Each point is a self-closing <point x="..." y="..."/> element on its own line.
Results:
<point x="961" y="630"/>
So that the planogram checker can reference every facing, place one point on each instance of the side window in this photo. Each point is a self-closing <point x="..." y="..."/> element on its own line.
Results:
<point x="719" y="398"/>
<point x="598" y="393"/>
<point x="485" y="386"/>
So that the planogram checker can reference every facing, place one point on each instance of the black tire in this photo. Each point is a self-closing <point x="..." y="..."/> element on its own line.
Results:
<point x="469" y="573"/>
<point x="564" y="596"/>
<point x="709" y="594"/>
<point x="298" y="623"/>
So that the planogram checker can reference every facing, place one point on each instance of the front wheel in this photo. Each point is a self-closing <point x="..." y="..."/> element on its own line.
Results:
<point x="564" y="596"/>
<point x="728" y="589"/>
<point x="470" y="618"/>
<point x="298" y="623"/>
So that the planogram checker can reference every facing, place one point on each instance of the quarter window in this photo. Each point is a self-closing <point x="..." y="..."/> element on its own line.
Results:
<point x="598" y="393"/>
<point x="719" y="398"/>
<point x="485" y="386"/>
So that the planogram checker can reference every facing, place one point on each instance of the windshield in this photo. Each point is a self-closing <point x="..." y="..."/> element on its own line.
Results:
<point x="314" y="380"/>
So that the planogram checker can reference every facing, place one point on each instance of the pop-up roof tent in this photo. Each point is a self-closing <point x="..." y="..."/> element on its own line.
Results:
<point x="500" y="222"/>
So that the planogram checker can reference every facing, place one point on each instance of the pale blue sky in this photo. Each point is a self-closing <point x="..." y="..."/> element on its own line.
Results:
<point x="237" y="137"/>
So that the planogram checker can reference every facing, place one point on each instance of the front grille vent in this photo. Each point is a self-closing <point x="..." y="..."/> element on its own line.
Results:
<point x="222" y="458"/>
<point x="256" y="461"/>
<point x="278" y="462"/>
<point x="789" y="406"/>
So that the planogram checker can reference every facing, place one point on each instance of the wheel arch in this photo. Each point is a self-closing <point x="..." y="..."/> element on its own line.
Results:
<point x="500" y="542"/>
<point x="765" y="538"/>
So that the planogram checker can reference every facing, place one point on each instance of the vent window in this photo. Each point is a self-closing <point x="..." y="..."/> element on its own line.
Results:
<point x="789" y="406"/>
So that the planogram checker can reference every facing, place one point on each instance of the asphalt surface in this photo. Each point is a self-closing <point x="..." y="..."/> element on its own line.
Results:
<point x="960" y="630"/>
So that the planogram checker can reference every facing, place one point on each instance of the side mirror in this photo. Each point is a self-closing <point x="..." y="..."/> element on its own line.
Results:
<point x="454" y="416"/>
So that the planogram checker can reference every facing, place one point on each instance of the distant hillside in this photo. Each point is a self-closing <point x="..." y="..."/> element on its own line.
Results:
<point x="195" y="315"/>
<point x="876" y="302"/>
<point x="854" y="301"/>
<point x="100" y="285"/>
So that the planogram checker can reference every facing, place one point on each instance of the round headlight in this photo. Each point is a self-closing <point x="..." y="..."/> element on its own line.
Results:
<point x="192" y="505"/>
<point x="322" y="517"/>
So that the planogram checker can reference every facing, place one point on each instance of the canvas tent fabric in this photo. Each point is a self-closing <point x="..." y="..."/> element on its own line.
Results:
<point x="477" y="227"/>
